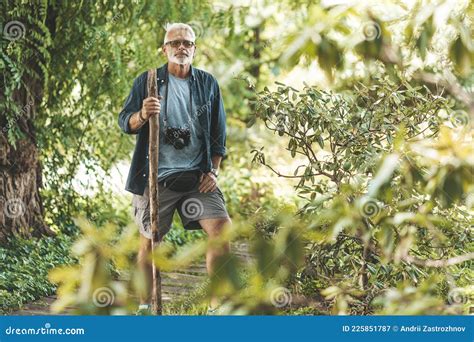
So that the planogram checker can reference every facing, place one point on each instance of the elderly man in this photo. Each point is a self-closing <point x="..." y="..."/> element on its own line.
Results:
<point x="191" y="146"/>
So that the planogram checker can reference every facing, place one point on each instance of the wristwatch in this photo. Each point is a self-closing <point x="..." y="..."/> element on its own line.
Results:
<point x="214" y="171"/>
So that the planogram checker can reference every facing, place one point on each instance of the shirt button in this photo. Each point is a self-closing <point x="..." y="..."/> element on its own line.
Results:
<point x="144" y="175"/>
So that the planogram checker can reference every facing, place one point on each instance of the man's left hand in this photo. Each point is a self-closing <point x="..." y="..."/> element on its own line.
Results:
<point x="208" y="182"/>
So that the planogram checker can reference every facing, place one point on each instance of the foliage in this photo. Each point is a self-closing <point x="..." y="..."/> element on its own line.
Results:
<point x="91" y="286"/>
<point x="363" y="220"/>
<point x="387" y="170"/>
<point x="354" y="128"/>
<point x="25" y="266"/>
<point x="424" y="41"/>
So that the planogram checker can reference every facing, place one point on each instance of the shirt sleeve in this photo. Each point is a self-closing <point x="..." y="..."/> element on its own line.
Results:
<point x="133" y="104"/>
<point x="218" y="123"/>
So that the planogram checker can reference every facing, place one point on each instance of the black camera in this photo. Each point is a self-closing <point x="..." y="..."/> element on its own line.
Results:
<point x="178" y="137"/>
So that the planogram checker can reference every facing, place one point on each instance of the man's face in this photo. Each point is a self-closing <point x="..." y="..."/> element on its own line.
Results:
<point x="179" y="54"/>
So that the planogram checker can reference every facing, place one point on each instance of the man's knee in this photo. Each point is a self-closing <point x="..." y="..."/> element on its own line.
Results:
<point x="214" y="227"/>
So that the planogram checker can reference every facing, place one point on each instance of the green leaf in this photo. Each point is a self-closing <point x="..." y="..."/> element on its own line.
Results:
<point x="461" y="57"/>
<point x="320" y="141"/>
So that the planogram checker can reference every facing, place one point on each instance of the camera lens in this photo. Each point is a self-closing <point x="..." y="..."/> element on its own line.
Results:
<point x="179" y="144"/>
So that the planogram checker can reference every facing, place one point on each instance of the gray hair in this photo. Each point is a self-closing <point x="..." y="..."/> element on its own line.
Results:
<point x="178" y="26"/>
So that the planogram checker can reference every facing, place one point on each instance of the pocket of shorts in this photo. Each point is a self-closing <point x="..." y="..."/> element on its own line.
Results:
<point x="142" y="219"/>
<point x="141" y="202"/>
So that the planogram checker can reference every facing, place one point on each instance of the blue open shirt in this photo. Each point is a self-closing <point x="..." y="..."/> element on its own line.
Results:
<point x="209" y="110"/>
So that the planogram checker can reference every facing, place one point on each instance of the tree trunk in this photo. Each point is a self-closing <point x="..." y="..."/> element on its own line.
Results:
<point x="21" y="209"/>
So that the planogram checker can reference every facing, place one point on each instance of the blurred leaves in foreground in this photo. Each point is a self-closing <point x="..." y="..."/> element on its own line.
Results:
<point x="92" y="286"/>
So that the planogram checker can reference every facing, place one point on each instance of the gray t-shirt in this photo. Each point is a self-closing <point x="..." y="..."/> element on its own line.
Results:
<point x="179" y="115"/>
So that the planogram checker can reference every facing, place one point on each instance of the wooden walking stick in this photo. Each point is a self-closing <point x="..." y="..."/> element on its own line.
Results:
<point x="154" y="141"/>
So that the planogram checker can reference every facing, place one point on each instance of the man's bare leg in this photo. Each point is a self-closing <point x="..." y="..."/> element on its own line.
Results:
<point x="213" y="228"/>
<point x="145" y="267"/>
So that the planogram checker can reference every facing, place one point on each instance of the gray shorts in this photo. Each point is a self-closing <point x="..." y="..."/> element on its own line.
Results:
<point x="192" y="206"/>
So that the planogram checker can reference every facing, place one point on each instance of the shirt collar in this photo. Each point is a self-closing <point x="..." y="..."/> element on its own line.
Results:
<point x="163" y="72"/>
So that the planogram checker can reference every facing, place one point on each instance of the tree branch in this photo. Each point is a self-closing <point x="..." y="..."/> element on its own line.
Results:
<point x="439" y="263"/>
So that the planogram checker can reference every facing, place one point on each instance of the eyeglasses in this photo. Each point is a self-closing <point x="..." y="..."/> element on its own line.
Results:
<point x="177" y="43"/>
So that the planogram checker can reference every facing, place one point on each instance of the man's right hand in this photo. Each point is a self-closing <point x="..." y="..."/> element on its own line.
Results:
<point x="151" y="106"/>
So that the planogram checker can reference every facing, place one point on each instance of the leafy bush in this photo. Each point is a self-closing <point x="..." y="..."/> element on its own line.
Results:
<point x="387" y="189"/>
<point x="179" y="236"/>
<point x="25" y="266"/>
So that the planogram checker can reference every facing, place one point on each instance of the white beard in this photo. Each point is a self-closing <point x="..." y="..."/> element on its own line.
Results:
<point x="181" y="60"/>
